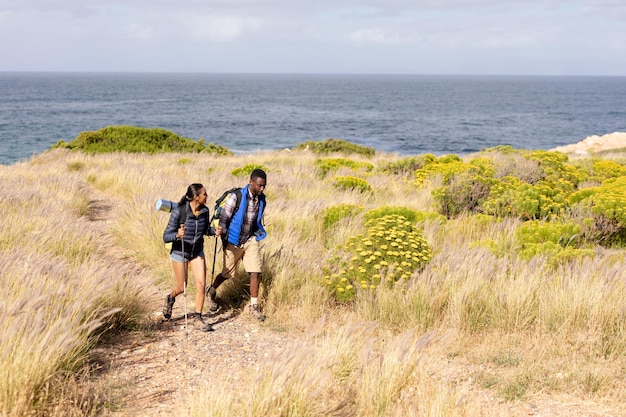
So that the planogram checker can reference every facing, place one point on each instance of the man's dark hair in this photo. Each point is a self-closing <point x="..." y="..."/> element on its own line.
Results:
<point x="258" y="173"/>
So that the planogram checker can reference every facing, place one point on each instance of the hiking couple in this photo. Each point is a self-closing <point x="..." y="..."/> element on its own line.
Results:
<point x="241" y="229"/>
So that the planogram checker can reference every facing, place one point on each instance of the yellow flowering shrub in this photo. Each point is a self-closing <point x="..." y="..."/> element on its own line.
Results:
<point x="325" y="165"/>
<point x="556" y="169"/>
<point x="511" y="197"/>
<point x="606" y="205"/>
<point x="351" y="183"/>
<point x="390" y="250"/>
<point x="446" y="167"/>
<point x="602" y="169"/>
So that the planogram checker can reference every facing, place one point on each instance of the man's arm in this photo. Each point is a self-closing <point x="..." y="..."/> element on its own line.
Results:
<point x="227" y="212"/>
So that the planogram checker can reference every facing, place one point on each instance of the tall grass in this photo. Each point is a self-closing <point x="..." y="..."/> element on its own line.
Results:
<point x="340" y="369"/>
<point x="83" y="247"/>
<point x="62" y="287"/>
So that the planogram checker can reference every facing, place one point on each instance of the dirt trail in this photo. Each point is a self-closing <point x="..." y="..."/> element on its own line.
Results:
<point x="150" y="373"/>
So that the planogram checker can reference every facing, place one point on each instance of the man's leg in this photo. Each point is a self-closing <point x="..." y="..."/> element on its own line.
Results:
<point x="255" y="280"/>
<point x="231" y="257"/>
<point x="255" y="310"/>
<point x="252" y="262"/>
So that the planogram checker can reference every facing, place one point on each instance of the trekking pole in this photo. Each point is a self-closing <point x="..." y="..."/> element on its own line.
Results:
<point x="208" y="287"/>
<point x="214" y="256"/>
<point x="182" y="245"/>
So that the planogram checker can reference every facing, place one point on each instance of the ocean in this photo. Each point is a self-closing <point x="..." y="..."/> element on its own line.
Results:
<point x="405" y="114"/>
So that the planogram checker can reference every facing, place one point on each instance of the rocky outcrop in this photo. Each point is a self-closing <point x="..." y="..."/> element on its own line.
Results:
<point x="595" y="143"/>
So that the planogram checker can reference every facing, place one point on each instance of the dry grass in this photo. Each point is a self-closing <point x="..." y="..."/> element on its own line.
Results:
<point x="353" y="368"/>
<point x="81" y="237"/>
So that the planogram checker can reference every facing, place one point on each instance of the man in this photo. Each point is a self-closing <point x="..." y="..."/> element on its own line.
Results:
<point x="241" y="229"/>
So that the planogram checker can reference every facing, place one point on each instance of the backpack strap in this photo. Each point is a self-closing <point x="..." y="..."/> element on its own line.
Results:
<point x="182" y="214"/>
<point x="238" y="195"/>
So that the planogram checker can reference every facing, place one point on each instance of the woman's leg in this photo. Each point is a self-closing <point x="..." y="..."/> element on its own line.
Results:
<point x="179" y="269"/>
<point x="198" y="267"/>
<point x="179" y="275"/>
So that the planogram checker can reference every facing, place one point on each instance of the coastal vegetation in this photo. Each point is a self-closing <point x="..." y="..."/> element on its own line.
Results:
<point x="335" y="146"/>
<point x="509" y="263"/>
<point x="138" y="139"/>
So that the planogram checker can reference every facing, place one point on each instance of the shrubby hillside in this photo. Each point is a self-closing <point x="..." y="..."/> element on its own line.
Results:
<point x="508" y="263"/>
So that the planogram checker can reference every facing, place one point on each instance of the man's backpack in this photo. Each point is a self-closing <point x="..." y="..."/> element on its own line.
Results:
<point x="221" y="202"/>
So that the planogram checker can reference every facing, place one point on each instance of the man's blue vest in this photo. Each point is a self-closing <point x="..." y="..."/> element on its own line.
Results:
<point x="236" y="223"/>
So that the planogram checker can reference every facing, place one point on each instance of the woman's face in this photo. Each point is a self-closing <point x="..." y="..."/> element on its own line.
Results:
<point x="202" y="196"/>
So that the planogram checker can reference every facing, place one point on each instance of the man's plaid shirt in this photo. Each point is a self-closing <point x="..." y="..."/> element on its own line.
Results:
<point x="249" y="223"/>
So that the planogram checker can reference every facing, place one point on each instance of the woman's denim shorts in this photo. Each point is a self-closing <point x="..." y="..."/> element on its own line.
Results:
<point x="177" y="256"/>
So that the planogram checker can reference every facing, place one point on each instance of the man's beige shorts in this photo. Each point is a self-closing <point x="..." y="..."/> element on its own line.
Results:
<point x="250" y="254"/>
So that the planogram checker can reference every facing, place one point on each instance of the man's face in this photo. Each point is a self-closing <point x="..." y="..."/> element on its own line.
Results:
<point x="257" y="186"/>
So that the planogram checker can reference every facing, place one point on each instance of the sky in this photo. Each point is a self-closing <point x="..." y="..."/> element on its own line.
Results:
<point x="532" y="37"/>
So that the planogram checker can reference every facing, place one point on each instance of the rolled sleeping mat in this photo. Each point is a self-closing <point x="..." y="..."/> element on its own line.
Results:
<point x="165" y="205"/>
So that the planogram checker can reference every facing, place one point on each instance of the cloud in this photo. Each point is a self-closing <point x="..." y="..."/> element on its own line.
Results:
<point x="138" y="31"/>
<point x="377" y="35"/>
<point x="220" y="28"/>
<point x="367" y="35"/>
<point x="417" y="36"/>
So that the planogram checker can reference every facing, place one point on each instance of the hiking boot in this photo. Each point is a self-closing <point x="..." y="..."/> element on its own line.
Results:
<point x="197" y="318"/>
<point x="169" y="304"/>
<point x="213" y="306"/>
<point x="255" y="312"/>
<point x="208" y="328"/>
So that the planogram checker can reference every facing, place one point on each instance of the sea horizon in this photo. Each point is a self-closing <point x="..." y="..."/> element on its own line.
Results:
<point x="460" y="74"/>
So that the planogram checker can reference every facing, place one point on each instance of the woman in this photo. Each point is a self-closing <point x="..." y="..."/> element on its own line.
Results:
<point x="188" y="224"/>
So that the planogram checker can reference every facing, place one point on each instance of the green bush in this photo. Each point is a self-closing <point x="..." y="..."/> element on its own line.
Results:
<point x="559" y="241"/>
<point x="555" y="253"/>
<point x="352" y="183"/>
<point x="380" y="212"/>
<point x="606" y="205"/>
<point x="332" y="215"/>
<point x="430" y="217"/>
<point x="450" y="165"/>
<point x="247" y="169"/>
<point x="389" y="252"/>
<point x="556" y="169"/>
<point x="137" y="139"/>
<point x="605" y="169"/>
<point x="75" y="166"/>
<point x="332" y="164"/>
<point x="332" y="145"/>
<point x="561" y="233"/>
<point x="513" y="198"/>
<point x="465" y="193"/>
<point x="407" y="165"/>
<point x="503" y="149"/>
